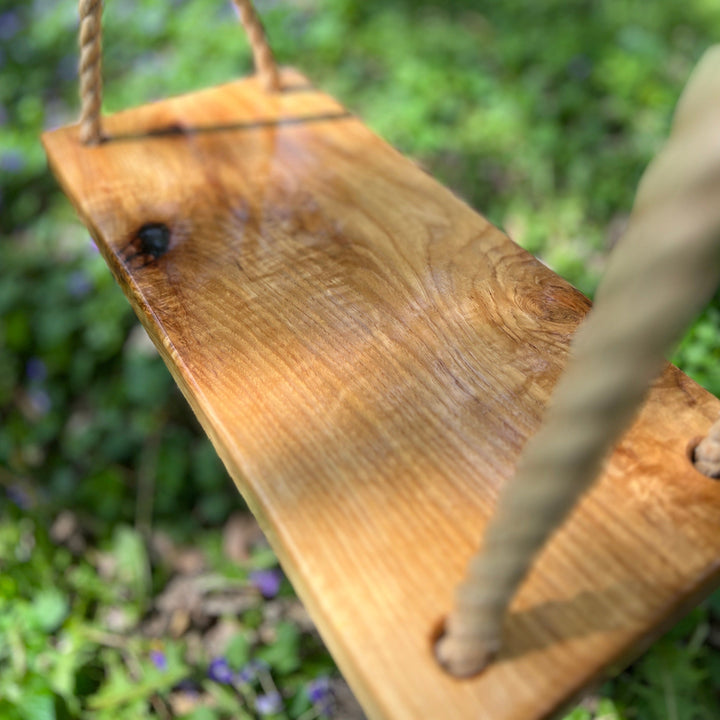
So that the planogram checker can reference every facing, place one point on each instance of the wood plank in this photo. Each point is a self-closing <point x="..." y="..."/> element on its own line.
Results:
<point x="368" y="356"/>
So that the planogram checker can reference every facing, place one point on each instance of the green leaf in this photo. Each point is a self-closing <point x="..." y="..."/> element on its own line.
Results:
<point x="300" y="703"/>
<point x="121" y="689"/>
<point x="50" y="607"/>
<point x="226" y="700"/>
<point x="263" y="558"/>
<point x="37" y="705"/>
<point x="133" y="565"/>
<point x="578" y="714"/>
<point x="200" y="713"/>
<point x="237" y="652"/>
<point x="607" y="710"/>
<point x="283" y="655"/>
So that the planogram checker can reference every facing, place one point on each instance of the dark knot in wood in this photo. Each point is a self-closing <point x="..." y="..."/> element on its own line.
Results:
<point x="153" y="239"/>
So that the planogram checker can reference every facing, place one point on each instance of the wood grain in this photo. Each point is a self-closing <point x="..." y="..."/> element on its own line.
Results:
<point x="368" y="356"/>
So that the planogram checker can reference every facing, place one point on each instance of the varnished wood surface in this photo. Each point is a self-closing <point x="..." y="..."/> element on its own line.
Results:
<point x="368" y="356"/>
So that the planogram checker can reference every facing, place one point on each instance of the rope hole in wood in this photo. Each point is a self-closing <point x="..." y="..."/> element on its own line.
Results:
<point x="459" y="664"/>
<point x="704" y="465"/>
<point x="437" y="633"/>
<point x="691" y="447"/>
<point x="90" y="63"/>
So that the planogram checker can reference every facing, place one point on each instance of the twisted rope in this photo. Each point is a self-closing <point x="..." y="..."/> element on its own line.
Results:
<point x="707" y="453"/>
<point x="659" y="277"/>
<point x="90" y="67"/>
<point x="263" y="57"/>
<point x="90" y="70"/>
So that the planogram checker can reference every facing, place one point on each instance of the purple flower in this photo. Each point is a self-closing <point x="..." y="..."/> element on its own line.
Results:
<point x="158" y="659"/>
<point x="220" y="671"/>
<point x="318" y="690"/>
<point x="12" y="161"/>
<point x="19" y="496"/>
<point x="267" y="581"/>
<point x="248" y="673"/>
<point x="40" y="401"/>
<point x="9" y="25"/>
<point x="268" y="704"/>
<point x="188" y="686"/>
<point x="78" y="284"/>
<point x="35" y="370"/>
<point x="320" y="694"/>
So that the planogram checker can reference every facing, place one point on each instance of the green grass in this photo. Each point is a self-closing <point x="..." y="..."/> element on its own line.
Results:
<point x="542" y="115"/>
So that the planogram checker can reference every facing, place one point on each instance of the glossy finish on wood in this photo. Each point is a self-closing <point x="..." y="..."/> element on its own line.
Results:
<point x="368" y="356"/>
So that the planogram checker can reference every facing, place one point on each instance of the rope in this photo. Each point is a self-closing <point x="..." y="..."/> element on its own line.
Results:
<point x="90" y="67"/>
<point x="263" y="57"/>
<point x="90" y="70"/>
<point x="660" y="275"/>
<point x="707" y="453"/>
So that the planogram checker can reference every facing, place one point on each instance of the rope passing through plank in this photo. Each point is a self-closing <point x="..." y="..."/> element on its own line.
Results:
<point x="90" y="70"/>
<point x="659" y="277"/>
<point x="90" y="66"/>
<point x="265" y="65"/>
<point x="706" y="456"/>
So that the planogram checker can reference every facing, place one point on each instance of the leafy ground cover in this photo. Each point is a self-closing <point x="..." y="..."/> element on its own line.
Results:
<point x="113" y="506"/>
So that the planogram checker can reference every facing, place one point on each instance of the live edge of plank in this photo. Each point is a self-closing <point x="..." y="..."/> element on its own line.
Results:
<point x="368" y="356"/>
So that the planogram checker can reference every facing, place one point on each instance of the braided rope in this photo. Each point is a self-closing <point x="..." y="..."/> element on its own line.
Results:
<point x="90" y="70"/>
<point x="90" y="67"/>
<point x="263" y="57"/>
<point x="659" y="277"/>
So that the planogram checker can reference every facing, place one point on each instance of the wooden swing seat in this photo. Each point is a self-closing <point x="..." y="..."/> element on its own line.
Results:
<point x="368" y="356"/>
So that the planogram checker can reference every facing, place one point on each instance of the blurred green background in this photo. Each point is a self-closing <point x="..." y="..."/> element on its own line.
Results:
<point x="542" y="115"/>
